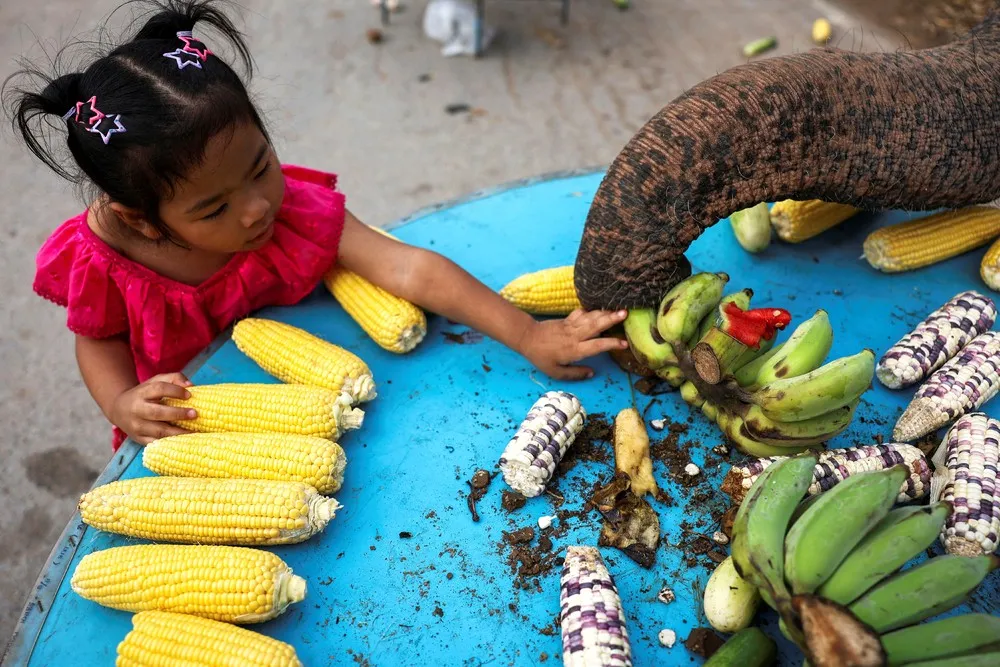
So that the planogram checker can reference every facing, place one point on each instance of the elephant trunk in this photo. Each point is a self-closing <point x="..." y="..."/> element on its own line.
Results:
<point x="908" y="130"/>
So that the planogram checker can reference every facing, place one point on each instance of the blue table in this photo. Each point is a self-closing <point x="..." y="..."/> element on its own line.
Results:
<point x="445" y="596"/>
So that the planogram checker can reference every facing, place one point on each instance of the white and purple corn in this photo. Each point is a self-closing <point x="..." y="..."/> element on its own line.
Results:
<point x="836" y="465"/>
<point x="530" y="458"/>
<point x="590" y="613"/>
<point x="936" y="340"/>
<point x="965" y="475"/>
<point x="962" y="385"/>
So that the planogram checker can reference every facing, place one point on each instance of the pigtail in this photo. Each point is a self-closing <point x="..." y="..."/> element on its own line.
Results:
<point x="31" y="112"/>
<point x="174" y="16"/>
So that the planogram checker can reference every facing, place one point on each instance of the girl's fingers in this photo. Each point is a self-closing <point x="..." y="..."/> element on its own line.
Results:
<point x="597" y="321"/>
<point x="154" y="391"/>
<point x="155" y="430"/>
<point x="595" y="346"/>
<point x="165" y="413"/>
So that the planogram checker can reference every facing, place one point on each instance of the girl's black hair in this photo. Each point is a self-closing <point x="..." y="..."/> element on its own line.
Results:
<point x="169" y="113"/>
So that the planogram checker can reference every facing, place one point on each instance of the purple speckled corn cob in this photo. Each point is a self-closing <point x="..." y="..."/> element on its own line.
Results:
<point x="590" y="613"/>
<point x="836" y="465"/>
<point x="962" y="385"/>
<point x="965" y="474"/>
<point x="532" y="455"/>
<point x="936" y="340"/>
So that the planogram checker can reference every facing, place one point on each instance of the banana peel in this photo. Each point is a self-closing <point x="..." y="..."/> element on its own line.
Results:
<point x="630" y="524"/>
<point x="834" y="636"/>
<point x="632" y="452"/>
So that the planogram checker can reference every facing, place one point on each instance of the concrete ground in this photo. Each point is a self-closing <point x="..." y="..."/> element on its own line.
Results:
<point x="544" y="98"/>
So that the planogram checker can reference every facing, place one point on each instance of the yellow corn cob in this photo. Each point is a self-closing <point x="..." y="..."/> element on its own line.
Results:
<point x="233" y="584"/>
<point x="198" y="510"/>
<point x="989" y="268"/>
<point x="296" y="356"/>
<point x="796" y="221"/>
<point x="394" y="323"/>
<point x="317" y="462"/>
<point x="161" y="638"/>
<point x="269" y="408"/>
<point x="545" y="292"/>
<point x="935" y="238"/>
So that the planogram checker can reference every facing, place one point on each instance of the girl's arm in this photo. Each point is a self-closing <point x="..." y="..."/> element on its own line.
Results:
<point x="439" y="285"/>
<point x="109" y="373"/>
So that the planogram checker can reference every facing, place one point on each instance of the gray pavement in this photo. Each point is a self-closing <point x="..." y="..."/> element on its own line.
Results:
<point x="544" y="98"/>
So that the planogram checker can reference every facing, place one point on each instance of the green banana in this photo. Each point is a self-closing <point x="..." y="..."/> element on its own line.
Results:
<point x="710" y="410"/>
<point x="752" y="227"/>
<point x="735" y="430"/>
<point x="751" y="354"/>
<point x="926" y="590"/>
<point x="644" y="340"/>
<point x="762" y="519"/>
<point x="901" y="535"/>
<point x="827" y="388"/>
<point x="741" y="299"/>
<point x="981" y="660"/>
<point x="807" y="432"/>
<point x="747" y="648"/>
<point x="824" y="535"/>
<point x="746" y="374"/>
<point x="945" y="638"/>
<point x="684" y="306"/>
<point x="690" y="394"/>
<point x="730" y="601"/>
<point x="672" y="374"/>
<point x="804" y="351"/>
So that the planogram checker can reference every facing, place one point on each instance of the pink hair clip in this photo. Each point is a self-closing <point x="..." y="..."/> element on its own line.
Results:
<point x="95" y="118"/>
<point x="194" y="52"/>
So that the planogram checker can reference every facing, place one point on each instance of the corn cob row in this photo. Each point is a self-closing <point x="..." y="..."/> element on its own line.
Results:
<point x="936" y="340"/>
<point x="393" y="323"/>
<point x="935" y="238"/>
<point x="836" y="465"/>
<point x="989" y="267"/>
<point x="545" y="292"/>
<point x="962" y="385"/>
<point x="530" y="458"/>
<point x="797" y="221"/>
<point x="296" y="356"/>
<point x="279" y="457"/>
<point x="233" y="584"/>
<point x="273" y="408"/>
<point x="209" y="511"/>
<point x="160" y="638"/>
<point x="965" y="475"/>
<point x="590" y="613"/>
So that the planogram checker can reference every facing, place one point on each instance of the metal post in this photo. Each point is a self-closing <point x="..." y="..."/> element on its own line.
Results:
<point x="564" y="17"/>
<point x="480" y="17"/>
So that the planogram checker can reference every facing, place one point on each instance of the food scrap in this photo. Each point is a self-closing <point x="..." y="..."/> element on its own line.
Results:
<point x="477" y="489"/>
<point x="667" y="637"/>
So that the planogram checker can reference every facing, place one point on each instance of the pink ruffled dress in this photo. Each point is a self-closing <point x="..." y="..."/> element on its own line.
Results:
<point x="168" y="322"/>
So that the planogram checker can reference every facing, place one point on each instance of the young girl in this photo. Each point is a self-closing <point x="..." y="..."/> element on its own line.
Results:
<point x="195" y="223"/>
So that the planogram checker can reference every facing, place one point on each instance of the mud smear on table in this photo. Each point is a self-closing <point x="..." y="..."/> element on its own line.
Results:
<point x="467" y="337"/>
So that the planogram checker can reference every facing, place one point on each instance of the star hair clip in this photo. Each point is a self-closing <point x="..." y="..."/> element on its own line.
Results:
<point x="95" y="119"/>
<point x="194" y="52"/>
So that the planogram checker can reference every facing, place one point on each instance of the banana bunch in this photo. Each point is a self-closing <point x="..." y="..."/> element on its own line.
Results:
<point x="830" y="566"/>
<point x="768" y="399"/>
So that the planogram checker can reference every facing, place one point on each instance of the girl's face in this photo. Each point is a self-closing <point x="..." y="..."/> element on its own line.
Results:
<point x="227" y="203"/>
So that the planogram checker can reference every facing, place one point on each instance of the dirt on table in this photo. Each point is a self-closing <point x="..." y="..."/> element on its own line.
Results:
<point x="592" y="444"/>
<point x="512" y="501"/>
<point x="704" y="642"/>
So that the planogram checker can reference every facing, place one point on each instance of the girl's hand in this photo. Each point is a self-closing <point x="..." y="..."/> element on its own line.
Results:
<point x="140" y="414"/>
<point x="555" y="345"/>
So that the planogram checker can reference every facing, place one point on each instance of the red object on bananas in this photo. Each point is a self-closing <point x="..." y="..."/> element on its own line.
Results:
<point x="750" y="327"/>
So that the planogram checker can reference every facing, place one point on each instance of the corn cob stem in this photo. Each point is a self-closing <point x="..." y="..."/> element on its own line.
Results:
<point x="545" y="292"/>
<point x="965" y="475"/>
<point x="296" y="356"/>
<point x="233" y="584"/>
<point x="936" y="339"/>
<point x="160" y="638"/>
<point x="281" y="457"/>
<point x="209" y="511"/>
<point x="797" y="221"/>
<point x="269" y="408"/>
<point x="836" y="465"/>
<point x="530" y="458"/>
<point x="963" y="384"/>
<point x="591" y="616"/>
<point x="935" y="238"/>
